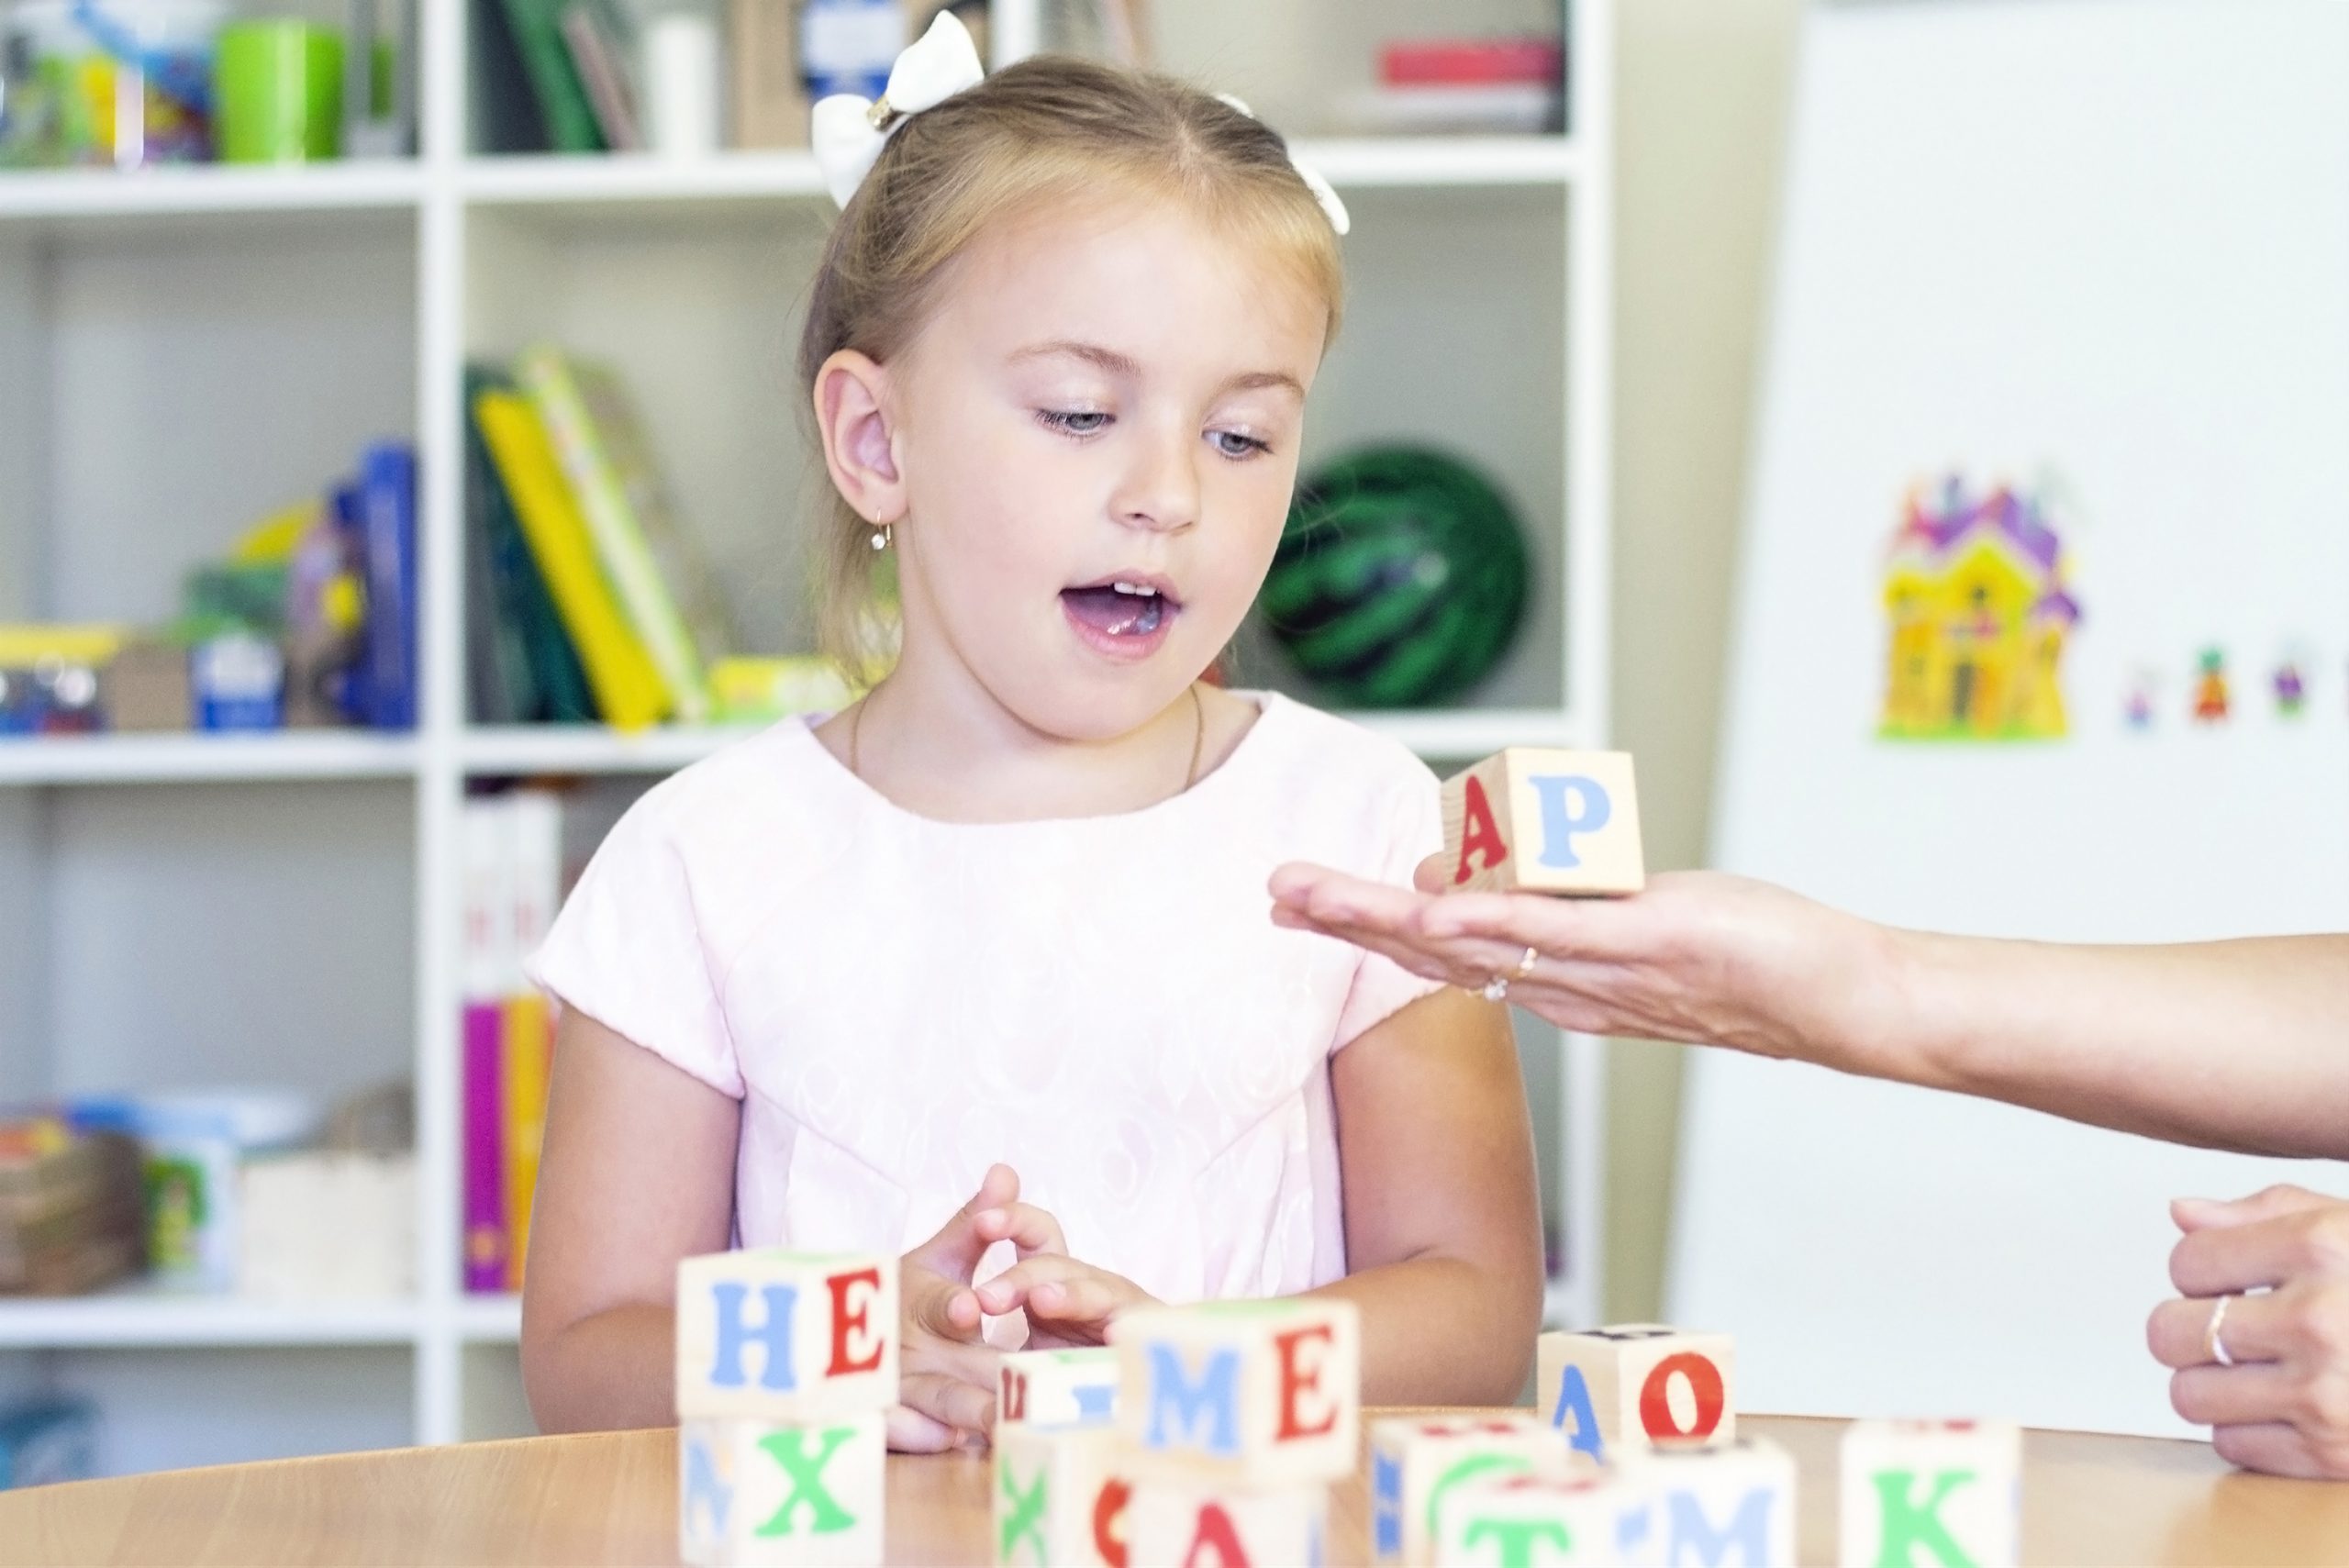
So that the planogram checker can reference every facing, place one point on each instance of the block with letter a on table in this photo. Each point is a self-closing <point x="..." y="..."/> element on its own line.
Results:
<point x="1527" y="820"/>
<point x="786" y="1362"/>
<point x="1931" y="1492"/>
<point x="1236" y="1416"/>
<point x="1619" y="1390"/>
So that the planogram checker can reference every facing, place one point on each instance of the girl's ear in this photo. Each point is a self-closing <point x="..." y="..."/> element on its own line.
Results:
<point x="853" y="421"/>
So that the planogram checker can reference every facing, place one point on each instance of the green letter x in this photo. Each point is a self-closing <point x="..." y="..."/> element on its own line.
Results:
<point x="807" y="1475"/>
<point x="1025" y="1518"/>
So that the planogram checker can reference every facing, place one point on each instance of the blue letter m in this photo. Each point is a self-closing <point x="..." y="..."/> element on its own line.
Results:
<point x="1215" y="1397"/>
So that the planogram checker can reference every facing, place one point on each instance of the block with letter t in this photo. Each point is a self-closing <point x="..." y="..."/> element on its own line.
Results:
<point x="1258" y="1394"/>
<point x="751" y="1490"/>
<point x="1416" y="1460"/>
<point x="1638" y="1385"/>
<point x="1529" y="1521"/>
<point x="1931" y="1492"/>
<point x="786" y="1335"/>
<point x="1527" y="820"/>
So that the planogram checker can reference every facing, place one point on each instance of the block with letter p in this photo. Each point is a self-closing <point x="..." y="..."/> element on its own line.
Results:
<point x="1726" y="1507"/>
<point x="1260" y="1395"/>
<point x="1538" y="821"/>
<point x="1416" y="1460"/>
<point x="1636" y="1386"/>
<point x="1931" y="1492"/>
<point x="786" y="1335"/>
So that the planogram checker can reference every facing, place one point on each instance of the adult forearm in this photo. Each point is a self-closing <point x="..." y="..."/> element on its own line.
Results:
<point x="2240" y="1045"/>
<point x="1442" y="1331"/>
<point x="612" y="1371"/>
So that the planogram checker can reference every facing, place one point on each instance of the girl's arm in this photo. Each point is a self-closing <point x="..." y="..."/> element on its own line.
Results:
<point x="637" y="1173"/>
<point x="1443" y="1213"/>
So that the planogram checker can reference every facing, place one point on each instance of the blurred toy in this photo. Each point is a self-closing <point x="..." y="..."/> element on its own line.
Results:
<point x="2210" y="688"/>
<point x="191" y="1144"/>
<point x="47" y="1440"/>
<point x="759" y="691"/>
<point x="71" y="1217"/>
<point x="114" y="83"/>
<point x="1400" y="579"/>
<point x="2292" y="691"/>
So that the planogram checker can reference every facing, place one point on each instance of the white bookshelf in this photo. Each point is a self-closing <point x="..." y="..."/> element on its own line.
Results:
<point x="282" y="909"/>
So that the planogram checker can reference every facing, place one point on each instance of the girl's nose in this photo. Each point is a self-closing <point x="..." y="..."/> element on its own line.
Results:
<point x="1161" y="491"/>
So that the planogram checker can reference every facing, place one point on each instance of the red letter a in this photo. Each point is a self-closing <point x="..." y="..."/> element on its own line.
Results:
<point x="1479" y="834"/>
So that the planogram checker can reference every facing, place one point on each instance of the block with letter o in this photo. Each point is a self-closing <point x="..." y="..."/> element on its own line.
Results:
<point x="1636" y="1386"/>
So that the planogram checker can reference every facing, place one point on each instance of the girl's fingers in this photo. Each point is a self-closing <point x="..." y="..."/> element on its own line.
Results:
<point x="2256" y="1328"/>
<point x="973" y="1362"/>
<point x="910" y="1431"/>
<point x="1073" y="1301"/>
<point x="947" y="1312"/>
<point x="1026" y="1227"/>
<point x="1011" y="1288"/>
<point x="948" y="1401"/>
<point x="2236" y="1396"/>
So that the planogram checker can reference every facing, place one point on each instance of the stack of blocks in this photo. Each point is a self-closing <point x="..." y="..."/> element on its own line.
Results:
<point x="1231" y="1419"/>
<point x="786" y="1362"/>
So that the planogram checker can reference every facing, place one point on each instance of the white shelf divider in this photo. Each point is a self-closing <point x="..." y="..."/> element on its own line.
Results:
<point x="288" y="755"/>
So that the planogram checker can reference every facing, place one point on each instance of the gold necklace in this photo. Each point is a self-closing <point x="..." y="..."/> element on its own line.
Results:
<point x="1190" y="776"/>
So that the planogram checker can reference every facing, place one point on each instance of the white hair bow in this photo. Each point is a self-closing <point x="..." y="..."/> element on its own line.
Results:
<point x="849" y="132"/>
<point x="1323" y="192"/>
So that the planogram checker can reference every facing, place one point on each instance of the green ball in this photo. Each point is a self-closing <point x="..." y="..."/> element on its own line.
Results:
<point x="1400" y="579"/>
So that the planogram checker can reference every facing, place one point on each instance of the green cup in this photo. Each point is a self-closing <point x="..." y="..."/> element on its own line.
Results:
<point x="277" y="93"/>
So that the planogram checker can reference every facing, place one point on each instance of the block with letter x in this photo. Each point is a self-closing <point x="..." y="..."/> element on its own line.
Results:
<point x="1257" y="1394"/>
<point x="1538" y="821"/>
<point x="1636" y="1386"/>
<point x="1931" y="1492"/>
<point x="786" y="1335"/>
<point x="756" y="1491"/>
<point x="1059" y="1497"/>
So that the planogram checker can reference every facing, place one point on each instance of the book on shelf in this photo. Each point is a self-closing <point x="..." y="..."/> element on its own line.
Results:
<point x="646" y="550"/>
<point x="564" y="109"/>
<point x="629" y="693"/>
<point x="520" y="665"/>
<point x="512" y="874"/>
<point x="598" y="37"/>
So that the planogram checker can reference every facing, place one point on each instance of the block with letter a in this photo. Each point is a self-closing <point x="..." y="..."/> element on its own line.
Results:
<point x="1185" y="1524"/>
<point x="1058" y="1388"/>
<point x="1416" y="1462"/>
<point x="1932" y="1495"/>
<point x="786" y="1335"/>
<point x="1637" y="1385"/>
<point x="1727" y="1508"/>
<point x="758" y="1491"/>
<point x="1539" y="822"/>
<point x="1255" y="1395"/>
<point x="1059" y="1497"/>
<point x="1526" y="1521"/>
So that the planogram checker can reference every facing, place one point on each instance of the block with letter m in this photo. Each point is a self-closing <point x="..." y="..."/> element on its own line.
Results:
<point x="1255" y="1393"/>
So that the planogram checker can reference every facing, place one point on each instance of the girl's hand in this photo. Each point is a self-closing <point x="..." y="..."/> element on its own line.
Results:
<point x="2284" y="1407"/>
<point x="1700" y="956"/>
<point x="946" y="1373"/>
<point x="1068" y="1303"/>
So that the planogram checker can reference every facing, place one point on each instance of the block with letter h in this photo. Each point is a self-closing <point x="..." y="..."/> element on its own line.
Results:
<point x="1931" y="1492"/>
<point x="1634" y="1387"/>
<point x="1058" y="1388"/>
<point x="1726" y="1507"/>
<point x="786" y="1362"/>
<point x="1236" y="1416"/>
<point x="1540" y="821"/>
<point x="1416" y="1462"/>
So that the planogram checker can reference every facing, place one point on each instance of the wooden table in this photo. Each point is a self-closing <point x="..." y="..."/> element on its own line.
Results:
<point x="611" y="1498"/>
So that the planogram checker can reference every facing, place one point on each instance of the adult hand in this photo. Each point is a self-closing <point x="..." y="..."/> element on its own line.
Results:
<point x="2284" y="1406"/>
<point x="1700" y="956"/>
<point x="946" y="1375"/>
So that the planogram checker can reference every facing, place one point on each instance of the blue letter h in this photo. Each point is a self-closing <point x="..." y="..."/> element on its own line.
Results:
<point x="774" y="1334"/>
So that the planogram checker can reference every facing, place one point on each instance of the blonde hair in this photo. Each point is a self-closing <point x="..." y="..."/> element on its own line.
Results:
<point x="1045" y="130"/>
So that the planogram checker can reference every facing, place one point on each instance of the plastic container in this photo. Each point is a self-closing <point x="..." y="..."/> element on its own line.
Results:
<point x="120" y="82"/>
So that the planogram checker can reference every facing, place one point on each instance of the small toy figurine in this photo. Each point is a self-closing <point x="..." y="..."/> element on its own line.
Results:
<point x="2291" y="692"/>
<point x="2211" y="690"/>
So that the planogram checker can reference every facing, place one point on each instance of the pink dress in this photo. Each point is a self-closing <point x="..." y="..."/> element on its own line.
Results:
<point x="1102" y="1003"/>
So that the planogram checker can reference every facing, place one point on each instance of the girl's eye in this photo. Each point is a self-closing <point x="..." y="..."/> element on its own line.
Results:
<point x="1232" y="444"/>
<point x="1070" y="422"/>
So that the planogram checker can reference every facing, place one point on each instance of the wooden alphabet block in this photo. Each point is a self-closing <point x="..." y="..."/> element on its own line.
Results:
<point x="1637" y="1385"/>
<point x="1241" y="1393"/>
<point x="1415" y="1462"/>
<point x="1525" y="1522"/>
<point x="1931" y="1492"/>
<point x="755" y="1491"/>
<point x="786" y="1335"/>
<point x="1058" y="1388"/>
<point x="1058" y="1498"/>
<point x="1173" y="1524"/>
<point x="1539" y="822"/>
<point x="1728" y="1507"/>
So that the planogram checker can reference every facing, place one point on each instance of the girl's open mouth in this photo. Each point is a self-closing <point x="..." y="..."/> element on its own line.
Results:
<point x="1125" y="618"/>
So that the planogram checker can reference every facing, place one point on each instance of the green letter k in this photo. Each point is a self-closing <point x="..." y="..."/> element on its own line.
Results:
<point x="1907" y="1524"/>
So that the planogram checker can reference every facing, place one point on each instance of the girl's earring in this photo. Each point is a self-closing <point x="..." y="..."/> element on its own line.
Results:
<point x="881" y="537"/>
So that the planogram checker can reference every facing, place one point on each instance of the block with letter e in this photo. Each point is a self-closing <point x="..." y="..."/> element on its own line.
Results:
<point x="1075" y="1387"/>
<point x="1059" y="1497"/>
<point x="1416" y="1460"/>
<point x="1257" y="1394"/>
<point x="1527" y="820"/>
<point x="786" y="1335"/>
<point x="756" y="1491"/>
<point x="1931" y="1492"/>
<point x="1637" y="1385"/>
<point x="1528" y="1521"/>
<point x="1728" y="1507"/>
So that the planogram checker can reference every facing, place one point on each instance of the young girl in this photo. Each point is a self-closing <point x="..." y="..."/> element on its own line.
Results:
<point x="982" y="968"/>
